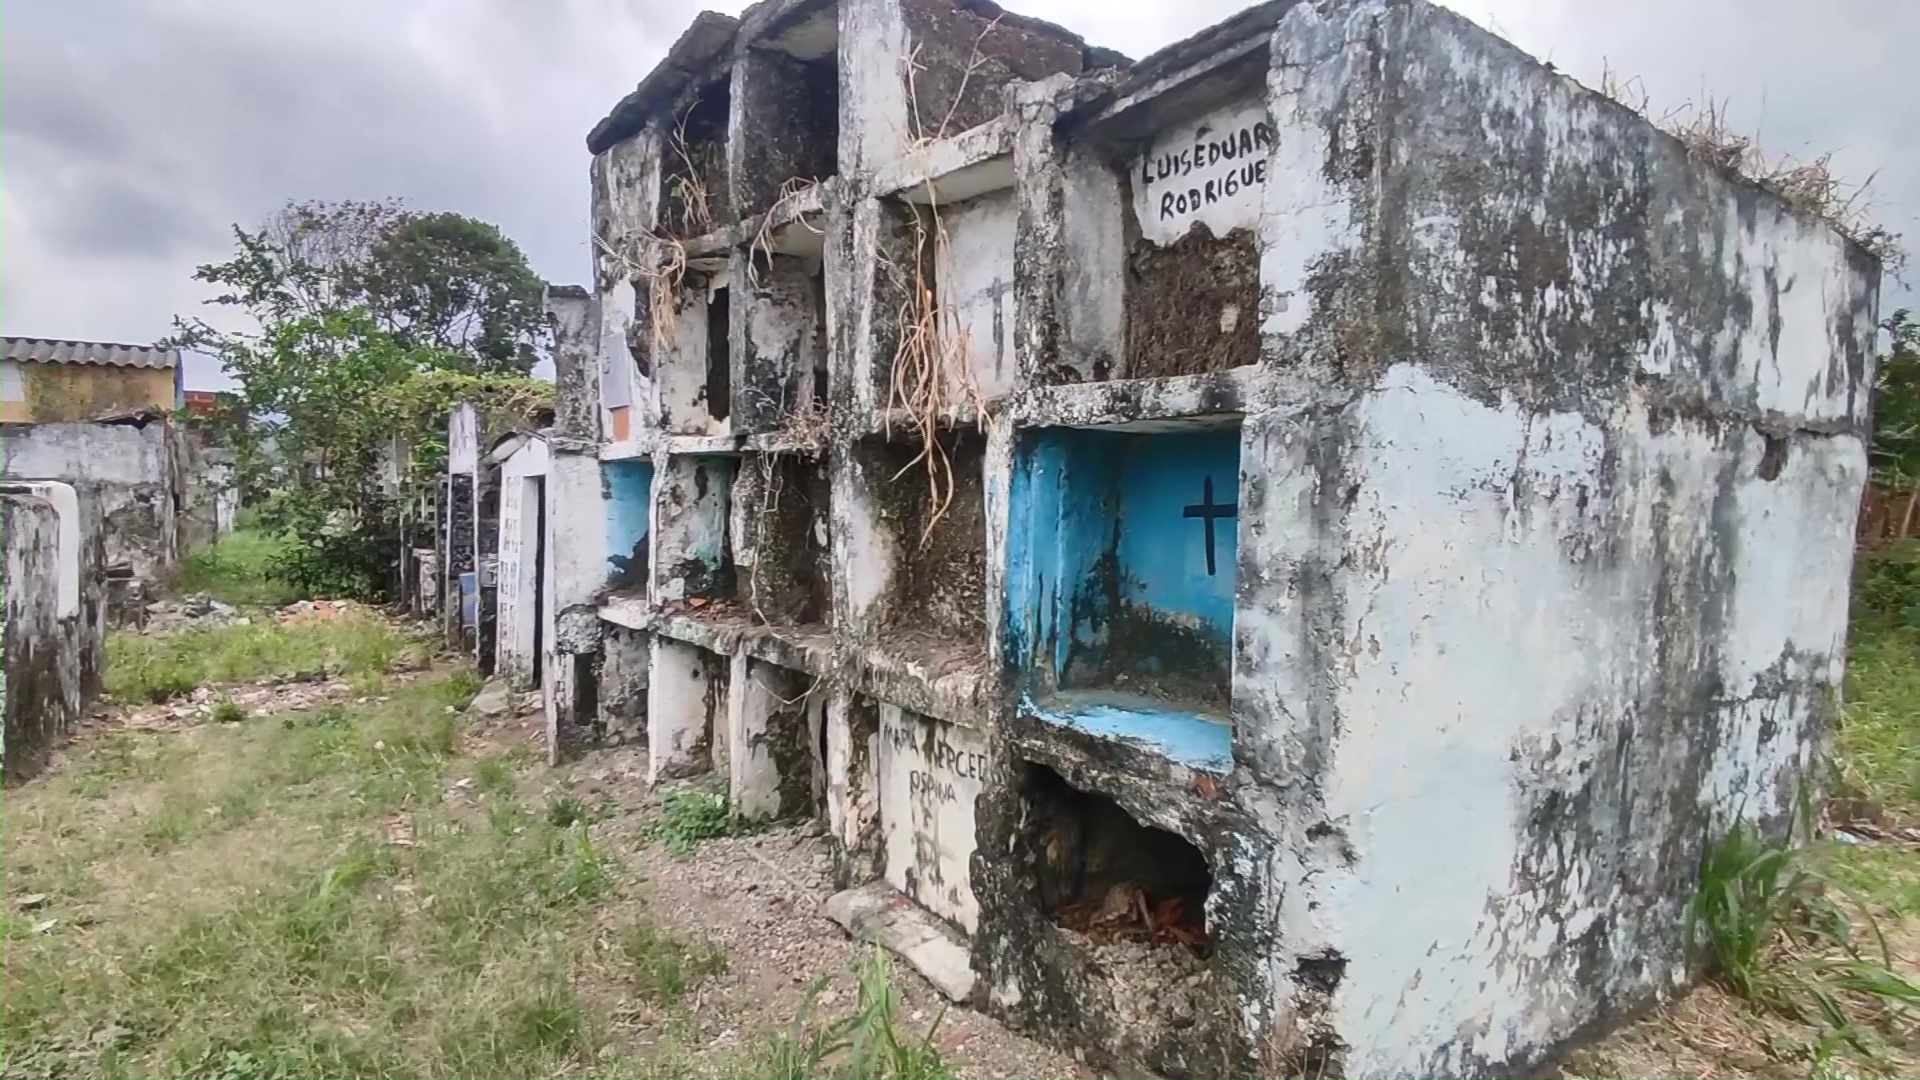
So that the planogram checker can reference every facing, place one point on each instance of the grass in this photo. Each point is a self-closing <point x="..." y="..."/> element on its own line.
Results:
<point x="158" y="667"/>
<point x="301" y="895"/>
<point x="235" y="570"/>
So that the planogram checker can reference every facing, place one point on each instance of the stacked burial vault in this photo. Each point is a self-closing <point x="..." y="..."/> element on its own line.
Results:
<point x="1387" y="503"/>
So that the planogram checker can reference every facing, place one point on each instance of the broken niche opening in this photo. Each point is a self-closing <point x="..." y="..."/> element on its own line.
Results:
<point x="945" y="280"/>
<point x="695" y="374"/>
<point x="783" y="348"/>
<point x="926" y="529"/>
<point x="789" y="82"/>
<point x="1122" y="552"/>
<point x="695" y="196"/>
<point x="1109" y="879"/>
<point x="693" y="557"/>
<point x="626" y="490"/>
<point x="783" y="509"/>
<point x="1160" y="261"/>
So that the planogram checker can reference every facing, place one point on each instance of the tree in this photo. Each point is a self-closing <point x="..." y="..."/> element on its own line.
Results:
<point x="368" y="324"/>
<point x="453" y="283"/>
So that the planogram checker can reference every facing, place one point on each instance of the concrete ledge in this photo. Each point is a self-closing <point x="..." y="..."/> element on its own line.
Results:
<point x="877" y="914"/>
<point x="929" y="685"/>
<point x="957" y="167"/>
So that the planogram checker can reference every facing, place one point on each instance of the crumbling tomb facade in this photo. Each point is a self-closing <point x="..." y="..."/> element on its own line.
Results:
<point x="1267" y="559"/>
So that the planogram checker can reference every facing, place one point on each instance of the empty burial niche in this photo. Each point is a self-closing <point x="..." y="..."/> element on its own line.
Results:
<point x="695" y="378"/>
<point x="1122" y="550"/>
<point x="1161" y="269"/>
<point x="620" y="688"/>
<point x="693" y="557"/>
<point x="973" y="273"/>
<point x="686" y="710"/>
<point x="928" y="529"/>
<point x="1121" y="887"/>
<point x="626" y="493"/>
<point x="781" y="722"/>
<point x="789" y="83"/>
<point x="694" y="196"/>
<point x="783" y="504"/>
<point x="783" y="381"/>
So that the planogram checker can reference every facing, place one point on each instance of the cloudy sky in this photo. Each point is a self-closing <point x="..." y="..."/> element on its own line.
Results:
<point x="134" y="132"/>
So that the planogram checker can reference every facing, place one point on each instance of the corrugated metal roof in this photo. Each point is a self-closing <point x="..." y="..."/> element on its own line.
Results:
<point x="47" y="351"/>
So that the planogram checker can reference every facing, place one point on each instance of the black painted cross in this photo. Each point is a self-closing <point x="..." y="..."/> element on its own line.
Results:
<point x="1208" y="511"/>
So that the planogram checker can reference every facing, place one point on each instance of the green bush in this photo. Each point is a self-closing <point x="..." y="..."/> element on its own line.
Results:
<point x="1887" y="583"/>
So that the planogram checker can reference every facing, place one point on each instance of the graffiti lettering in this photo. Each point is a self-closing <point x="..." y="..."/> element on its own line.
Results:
<point x="1240" y="150"/>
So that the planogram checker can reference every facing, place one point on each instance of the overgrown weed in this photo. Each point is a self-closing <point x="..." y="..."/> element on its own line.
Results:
<point x="691" y="816"/>
<point x="161" y="666"/>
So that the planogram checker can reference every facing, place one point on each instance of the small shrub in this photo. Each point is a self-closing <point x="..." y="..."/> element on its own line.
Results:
<point x="688" y="817"/>
<point x="460" y="688"/>
<point x="869" y="1039"/>
<point x="1886" y="583"/>
<point x="566" y="811"/>
<point x="1765" y="922"/>
<point x="494" y="776"/>
<point x="227" y="711"/>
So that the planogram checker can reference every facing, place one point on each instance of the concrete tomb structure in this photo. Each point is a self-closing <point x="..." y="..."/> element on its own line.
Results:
<point x="1267" y="560"/>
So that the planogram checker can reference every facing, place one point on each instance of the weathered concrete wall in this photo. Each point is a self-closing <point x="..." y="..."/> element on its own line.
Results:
<point x="1629" y="392"/>
<point x="128" y="469"/>
<point x="53" y="626"/>
<point x="44" y="393"/>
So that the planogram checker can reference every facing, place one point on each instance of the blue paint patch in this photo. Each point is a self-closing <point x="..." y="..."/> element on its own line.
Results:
<point x="626" y="489"/>
<point x="470" y="600"/>
<point x="1186" y="738"/>
<point x="1122" y="552"/>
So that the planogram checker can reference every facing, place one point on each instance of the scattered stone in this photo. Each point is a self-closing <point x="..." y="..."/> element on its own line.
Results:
<point x="494" y="699"/>
<point x="32" y="900"/>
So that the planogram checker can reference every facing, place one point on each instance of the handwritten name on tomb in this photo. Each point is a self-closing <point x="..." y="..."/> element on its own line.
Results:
<point x="1211" y="170"/>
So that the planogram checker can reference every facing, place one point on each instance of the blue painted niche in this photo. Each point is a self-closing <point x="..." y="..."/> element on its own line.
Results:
<point x="626" y="493"/>
<point x="1122" y="551"/>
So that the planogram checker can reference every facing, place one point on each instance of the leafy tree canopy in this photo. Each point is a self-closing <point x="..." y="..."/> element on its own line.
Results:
<point x="368" y="323"/>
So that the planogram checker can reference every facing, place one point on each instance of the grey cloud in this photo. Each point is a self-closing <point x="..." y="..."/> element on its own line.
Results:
<point x="134" y="131"/>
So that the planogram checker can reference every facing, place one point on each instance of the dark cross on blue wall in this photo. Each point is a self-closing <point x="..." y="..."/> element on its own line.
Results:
<point x="1207" y="511"/>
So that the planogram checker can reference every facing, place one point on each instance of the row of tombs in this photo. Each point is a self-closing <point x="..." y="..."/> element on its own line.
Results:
<point x="964" y="645"/>
<point x="1052" y="474"/>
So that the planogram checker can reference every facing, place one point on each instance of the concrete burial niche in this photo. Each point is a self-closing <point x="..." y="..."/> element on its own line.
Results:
<point x="783" y="515"/>
<point x="693" y="374"/>
<point x="627" y="503"/>
<point x="787" y="86"/>
<point x="693" y="558"/>
<point x="695" y="193"/>
<point x="916" y="549"/>
<point x="1158" y="229"/>
<point x="1122" y="553"/>
<point x="687" y="690"/>
<point x="780" y="385"/>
